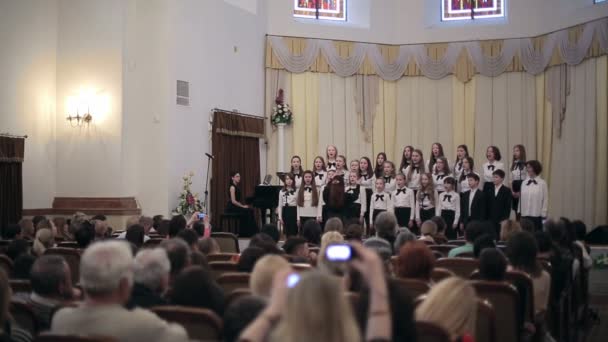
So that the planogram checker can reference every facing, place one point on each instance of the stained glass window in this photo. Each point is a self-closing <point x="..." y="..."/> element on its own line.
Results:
<point x="320" y="9"/>
<point x="472" y="9"/>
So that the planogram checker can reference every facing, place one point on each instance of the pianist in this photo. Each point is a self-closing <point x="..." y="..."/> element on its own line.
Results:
<point x="248" y="226"/>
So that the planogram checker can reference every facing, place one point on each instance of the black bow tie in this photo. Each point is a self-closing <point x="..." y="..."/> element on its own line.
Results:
<point x="401" y="191"/>
<point x="415" y="168"/>
<point x="531" y="181"/>
<point x="425" y="195"/>
<point x="309" y="189"/>
<point x="440" y="177"/>
<point x="320" y="175"/>
<point x="491" y="167"/>
<point x="330" y="164"/>
<point x="351" y="190"/>
<point x="447" y="197"/>
<point x="297" y="175"/>
<point x="459" y="165"/>
<point x="291" y="192"/>
<point x="379" y="197"/>
<point x="387" y="179"/>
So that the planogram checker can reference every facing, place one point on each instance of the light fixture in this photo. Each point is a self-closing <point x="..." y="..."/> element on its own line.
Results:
<point x="78" y="120"/>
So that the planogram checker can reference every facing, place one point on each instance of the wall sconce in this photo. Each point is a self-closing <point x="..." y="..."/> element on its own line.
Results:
<point x="78" y="120"/>
<point x="85" y="100"/>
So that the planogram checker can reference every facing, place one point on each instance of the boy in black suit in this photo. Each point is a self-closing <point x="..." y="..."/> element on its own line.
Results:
<point x="499" y="201"/>
<point x="472" y="203"/>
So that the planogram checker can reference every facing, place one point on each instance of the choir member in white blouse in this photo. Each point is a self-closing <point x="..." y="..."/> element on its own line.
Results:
<point x="379" y="169"/>
<point x="367" y="182"/>
<point x="426" y="199"/>
<point x="381" y="201"/>
<point x="436" y="152"/>
<point x="461" y="152"/>
<point x="449" y="207"/>
<point x="534" y="196"/>
<point x="320" y="171"/>
<point x="404" y="203"/>
<point x="331" y="153"/>
<point x="518" y="174"/>
<point x="406" y="158"/>
<point x="296" y="170"/>
<point x="442" y="171"/>
<point x="389" y="176"/>
<point x="287" y="209"/>
<point x="468" y="166"/>
<point x="308" y="200"/>
<point x="358" y="208"/>
<point x="493" y="164"/>
<point x="413" y="172"/>
<point x="341" y="168"/>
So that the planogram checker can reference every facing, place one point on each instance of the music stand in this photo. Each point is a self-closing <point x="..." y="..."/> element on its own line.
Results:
<point x="281" y="176"/>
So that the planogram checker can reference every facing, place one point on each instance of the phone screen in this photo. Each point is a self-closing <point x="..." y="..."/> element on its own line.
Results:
<point x="292" y="280"/>
<point x="339" y="253"/>
<point x="201" y="216"/>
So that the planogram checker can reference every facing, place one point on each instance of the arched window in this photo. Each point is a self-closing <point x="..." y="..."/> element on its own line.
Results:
<point x="472" y="9"/>
<point x="320" y="9"/>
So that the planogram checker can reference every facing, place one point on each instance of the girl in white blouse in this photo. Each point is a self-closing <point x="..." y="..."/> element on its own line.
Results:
<point x="308" y="200"/>
<point x="468" y="166"/>
<point x="518" y="174"/>
<point x="358" y="209"/>
<point x="442" y="171"/>
<point x="436" y="152"/>
<point x="426" y="200"/>
<point x="389" y="176"/>
<point x="461" y="152"/>
<point x="406" y="158"/>
<point x="318" y="168"/>
<point x="413" y="172"/>
<point x="404" y="203"/>
<point x="287" y="209"/>
<point x="534" y="195"/>
<point x="449" y="207"/>
<point x="296" y="170"/>
<point x="493" y="164"/>
<point x="331" y="153"/>
<point x="381" y="201"/>
<point x="367" y="182"/>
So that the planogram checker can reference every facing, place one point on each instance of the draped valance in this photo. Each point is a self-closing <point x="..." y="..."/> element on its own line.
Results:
<point x="232" y="123"/>
<point x="437" y="60"/>
<point x="11" y="149"/>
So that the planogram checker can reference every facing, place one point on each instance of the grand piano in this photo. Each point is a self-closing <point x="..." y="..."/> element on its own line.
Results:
<point x="266" y="197"/>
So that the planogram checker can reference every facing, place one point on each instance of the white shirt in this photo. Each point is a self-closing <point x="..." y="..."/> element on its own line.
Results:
<point x="413" y="181"/>
<point x="489" y="168"/>
<point x="361" y="199"/>
<point x="534" y="198"/>
<point x="367" y="181"/>
<point x="405" y="198"/>
<point x="457" y="169"/>
<point x="450" y="201"/>
<point x="438" y="180"/>
<point x="426" y="204"/>
<point x="464" y="184"/>
<point x="379" y="201"/>
<point x="320" y="178"/>
<point x="298" y="180"/>
<point x="331" y="165"/>
<point x="308" y="210"/>
<point x="497" y="189"/>
<point x="286" y="199"/>
<point x="519" y="173"/>
<point x="390" y="185"/>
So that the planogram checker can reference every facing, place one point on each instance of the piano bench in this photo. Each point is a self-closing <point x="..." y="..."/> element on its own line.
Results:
<point x="230" y="223"/>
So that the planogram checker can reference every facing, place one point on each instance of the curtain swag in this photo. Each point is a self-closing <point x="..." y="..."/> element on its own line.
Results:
<point x="533" y="60"/>
<point x="238" y="125"/>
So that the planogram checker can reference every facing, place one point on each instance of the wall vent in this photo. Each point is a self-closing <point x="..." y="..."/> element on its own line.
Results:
<point x="183" y="93"/>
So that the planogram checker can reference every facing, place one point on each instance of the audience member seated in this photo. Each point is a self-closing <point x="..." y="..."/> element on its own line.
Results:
<point x="138" y="233"/>
<point x="17" y="247"/>
<point x="440" y="237"/>
<point x="272" y="231"/>
<point x="37" y="219"/>
<point x="28" y="229"/>
<point x="481" y="243"/>
<point x="508" y="228"/>
<point x="163" y="228"/>
<point x="43" y="241"/>
<point x="177" y="224"/>
<point x="9" y="331"/>
<point x="51" y="281"/>
<point x="196" y="287"/>
<point x="311" y="231"/>
<point x="492" y="265"/>
<point x="178" y="253"/>
<point x="239" y="314"/>
<point x="334" y="224"/>
<point x="561" y="258"/>
<point x="522" y="251"/>
<point x="199" y="259"/>
<point x="22" y="266"/>
<point x="527" y="225"/>
<point x="403" y="235"/>
<point x="263" y="273"/>
<point x="428" y="231"/>
<point x="12" y="232"/>
<point x="62" y="229"/>
<point x="473" y="230"/>
<point x="106" y="276"/>
<point x="101" y="227"/>
<point x="326" y="239"/>
<point x="354" y="233"/>
<point x="386" y="227"/>
<point x="148" y="223"/>
<point x="249" y="257"/>
<point x="208" y="246"/>
<point x="543" y="241"/>
<point x="297" y="248"/>
<point x="156" y="222"/>
<point x="151" y="270"/>
<point x="190" y="237"/>
<point x="84" y="234"/>
<point x="384" y="250"/>
<point x="290" y="316"/>
<point x="135" y="235"/>
<point x="452" y="305"/>
<point x="416" y="261"/>
<point x="580" y="230"/>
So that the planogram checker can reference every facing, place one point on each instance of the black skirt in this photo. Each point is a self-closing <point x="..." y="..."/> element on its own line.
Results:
<point x="290" y="220"/>
<point x="376" y="213"/>
<point x="427" y="214"/>
<point x="248" y="225"/>
<point x="403" y="216"/>
<point x="448" y="216"/>
<point x="353" y="212"/>
<point x="516" y="186"/>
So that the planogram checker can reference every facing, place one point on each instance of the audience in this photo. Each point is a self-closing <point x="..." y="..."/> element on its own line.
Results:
<point x="481" y="243"/>
<point x="178" y="253"/>
<point x="163" y="228"/>
<point x="27" y="229"/>
<point x="11" y="232"/>
<point x="22" y="266"/>
<point x="403" y="235"/>
<point x="9" y="331"/>
<point x="492" y="265"/>
<point x="177" y="224"/>
<point x="43" y="241"/>
<point x="383" y="248"/>
<point x="543" y="241"/>
<point x="452" y="305"/>
<point x="195" y="287"/>
<point x="106" y="276"/>
<point x="526" y="225"/>
<point x="135" y="235"/>
<point x="440" y="237"/>
<point x="199" y="259"/>
<point x="508" y="228"/>
<point x="101" y="227"/>
<point x="249" y="257"/>
<point x="334" y="224"/>
<point x="386" y="227"/>
<point x="263" y="273"/>
<point x="151" y="271"/>
<point x="148" y="223"/>
<point x="37" y="219"/>
<point x="297" y="247"/>
<point x="272" y="231"/>
<point x="84" y="234"/>
<point x="354" y="233"/>
<point x="311" y="231"/>
<point x="580" y="230"/>
<point x="428" y="231"/>
<point x="208" y="246"/>
<point x="239" y="314"/>
<point x="415" y="261"/>
<point x="190" y="237"/>
<point x="473" y="230"/>
<point x="16" y="248"/>
<point x="199" y="228"/>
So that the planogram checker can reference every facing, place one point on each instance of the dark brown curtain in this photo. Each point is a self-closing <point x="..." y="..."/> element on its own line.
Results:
<point x="11" y="182"/>
<point x="236" y="147"/>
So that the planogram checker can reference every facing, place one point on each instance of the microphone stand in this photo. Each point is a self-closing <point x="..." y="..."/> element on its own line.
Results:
<point x="207" y="184"/>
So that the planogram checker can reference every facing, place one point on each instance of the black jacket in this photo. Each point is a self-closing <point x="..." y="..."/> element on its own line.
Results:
<point x="478" y="207"/>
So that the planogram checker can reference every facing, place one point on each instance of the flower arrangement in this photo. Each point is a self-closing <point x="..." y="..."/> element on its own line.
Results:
<point x="281" y="111"/>
<point x="188" y="202"/>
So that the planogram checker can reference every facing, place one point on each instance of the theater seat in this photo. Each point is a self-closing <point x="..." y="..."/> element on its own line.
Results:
<point x="485" y="327"/>
<point x="438" y="274"/>
<point x="6" y="264"/>
<point x="228" y="242"/>
<point x="46" y="337"/>
<point x="24" y="316"/>
<point x="430" y="332"/>
<point x="462" y="267"/>
<point x="223" y="257"/>
<point x="415" y="287"/>
<point x="220" y="267"/>
<point x="71" y="256"/>
<point x="443" y="249"/>
<point x="236" y="294"/>
<point x="505" y="298"/>
<point x="201" y="324"/>
<point x="231" y="281"/>
<point x="20" y="285"/>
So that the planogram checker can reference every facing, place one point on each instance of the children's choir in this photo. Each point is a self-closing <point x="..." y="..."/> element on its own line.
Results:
<point x="416" y="191"/>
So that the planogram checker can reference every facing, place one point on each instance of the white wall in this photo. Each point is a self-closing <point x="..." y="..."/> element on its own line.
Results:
<point x="418" y="21"/>
<point x="28" y="37"/>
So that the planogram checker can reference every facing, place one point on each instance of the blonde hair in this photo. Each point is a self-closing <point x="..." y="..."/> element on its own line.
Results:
<point x="330" y="237"/>
<point x="44" y="239"/>
<point x="508" y="228"/>
<point x="263" y="274"/>
<point x="330" y="319"/>
<point x="451" y="304"/>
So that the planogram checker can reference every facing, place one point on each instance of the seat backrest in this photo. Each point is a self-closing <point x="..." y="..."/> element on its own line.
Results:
<point x="20" y="285"/>
<point x="443" y="249"/>
<point x="236" y="294"/>
<point x="415" y="287"/>
<point x="504" y="297"/>
<point x="457" y="242"/>
<point x="462" y="267"/>
<point x="222" y="257"/>
<point x="220" y="267"/>
<point x="430" y="332"/>
<point x="153" y="242"/>
<point x="201" y="324"/>
<point x="525" y="287"/>
<point x="439" y="273"/>
<point x="231" y="281"/>
<point x="68" y="244"/>
<point x="485" y="327"/>
<point x="300" y="267"/>
<point x="46" y="337"/>
<point x="228" y="242"/>
<point x="6" y="264"/>
<point x="72" y="257"/>
<point x="24" y="316"/>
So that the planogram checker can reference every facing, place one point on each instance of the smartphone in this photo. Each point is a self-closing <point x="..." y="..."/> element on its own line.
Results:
<point x="292" y="280"/>
<point x="339" y="253"/>
<point x="201" y="216"/>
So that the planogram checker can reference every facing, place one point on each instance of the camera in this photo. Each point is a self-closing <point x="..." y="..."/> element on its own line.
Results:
<point x="201" y="216"/>
<point x="339" y="253"/>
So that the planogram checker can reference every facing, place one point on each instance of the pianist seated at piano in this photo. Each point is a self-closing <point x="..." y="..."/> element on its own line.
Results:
<point x="288" y="207"/>
<point x="248" y="225"/>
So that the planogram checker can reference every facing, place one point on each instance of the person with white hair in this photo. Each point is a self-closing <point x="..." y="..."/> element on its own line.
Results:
<point x="106" y="276"/>
<point x="151" y="269"/>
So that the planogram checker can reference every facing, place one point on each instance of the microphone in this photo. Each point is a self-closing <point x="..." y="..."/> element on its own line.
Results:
<point x="209" y="156"/>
